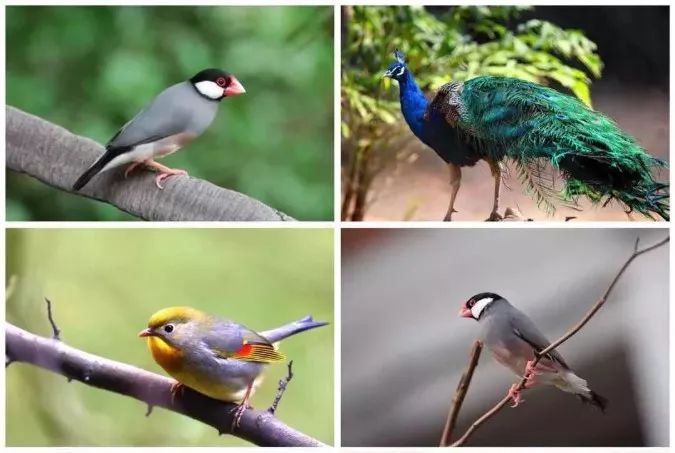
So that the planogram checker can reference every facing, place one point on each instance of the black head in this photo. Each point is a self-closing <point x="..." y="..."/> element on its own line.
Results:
<point x="397" y="69"/>
<point x="476" y="305"/>
<point x="215" y="84"/>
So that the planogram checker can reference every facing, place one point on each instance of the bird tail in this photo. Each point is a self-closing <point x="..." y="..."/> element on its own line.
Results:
<point x="571" y="383"/>
<point x="630" y="182"/>
<point x="96" y="167"/>
<point x="594" y="399"/>
<point x="291" y="328"/>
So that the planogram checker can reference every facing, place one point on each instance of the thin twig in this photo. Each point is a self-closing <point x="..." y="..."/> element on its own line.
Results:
<point x="460" y="393"/>
<point x="56" y="333"/>
<point x="538" y="355"/>
<point x="283" y="383"/>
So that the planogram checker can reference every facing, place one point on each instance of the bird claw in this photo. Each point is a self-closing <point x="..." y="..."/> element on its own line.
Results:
<point x="130" y="168"/>
<point x="494" y="217"/>
<point x="238" y="413"/>
<point x="448" y="215"/>
<point x="514" y="394"/>
<point x="162" y="176"/>
<point x="175" y="388"/>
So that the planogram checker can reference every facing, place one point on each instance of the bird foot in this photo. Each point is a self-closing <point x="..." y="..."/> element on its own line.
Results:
<point x="175" y="388"/>
<point x="531" y="374"/>
<point x="130" y="168"/>
<point x="494" y="217"/>
<point x="448" y="216"/>
<point x="162" y="176"/>
<point x="514" y="394"/>
<point x="238" y="412"/>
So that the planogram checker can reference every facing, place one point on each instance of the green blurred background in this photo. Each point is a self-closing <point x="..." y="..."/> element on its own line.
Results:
<point x="105" y="284"/>
<point x="90" y="69"/>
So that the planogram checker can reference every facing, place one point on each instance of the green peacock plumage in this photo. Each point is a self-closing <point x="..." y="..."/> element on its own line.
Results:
<point x="527" y="122"/>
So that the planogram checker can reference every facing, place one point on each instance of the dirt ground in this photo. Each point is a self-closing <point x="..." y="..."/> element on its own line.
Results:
<point x="420" y="190"/>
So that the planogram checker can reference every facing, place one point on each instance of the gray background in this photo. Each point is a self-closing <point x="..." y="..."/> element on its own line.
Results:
<point x="404" y="348"/>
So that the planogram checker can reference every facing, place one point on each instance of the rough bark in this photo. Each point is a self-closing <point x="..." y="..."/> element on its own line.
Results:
<point x="57" y="157"/>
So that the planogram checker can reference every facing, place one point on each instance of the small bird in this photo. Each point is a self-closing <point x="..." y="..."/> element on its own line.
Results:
<point x="512" y="338"/>
<point x="176" y="116"/>
<point x="542" y="131"/>
<point x="214" y="356"/>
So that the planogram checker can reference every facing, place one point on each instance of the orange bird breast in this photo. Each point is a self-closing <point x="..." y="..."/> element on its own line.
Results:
<point x="167" y="356"/>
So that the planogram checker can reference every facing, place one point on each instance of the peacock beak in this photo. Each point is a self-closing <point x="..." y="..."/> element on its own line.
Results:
<point x="146" y="333"/>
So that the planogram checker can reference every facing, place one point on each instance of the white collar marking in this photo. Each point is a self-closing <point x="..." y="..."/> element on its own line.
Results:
<point x="480" y="305"/>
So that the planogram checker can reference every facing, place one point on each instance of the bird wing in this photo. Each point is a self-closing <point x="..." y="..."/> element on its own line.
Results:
<point x="525" y="329"/>
<point x="164" y="116"/>
<point x="229" y="340"/>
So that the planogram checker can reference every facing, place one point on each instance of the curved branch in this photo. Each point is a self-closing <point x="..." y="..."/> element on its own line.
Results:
<point x="57" y="157"/>
<point x="569" y="334"/>
<point x="259" y="427"/>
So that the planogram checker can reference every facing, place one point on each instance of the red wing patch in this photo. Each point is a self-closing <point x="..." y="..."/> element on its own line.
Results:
<point x="258" y="352"/>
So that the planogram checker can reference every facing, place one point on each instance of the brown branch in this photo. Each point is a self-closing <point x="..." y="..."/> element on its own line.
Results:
<point x="538" y="355"/>
<point x="460" y="393"/>
<point x="57" y="157"/>
<point x="259" y="427"/>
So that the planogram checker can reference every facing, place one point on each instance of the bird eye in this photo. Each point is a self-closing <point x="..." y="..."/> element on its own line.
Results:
<point x="168" y="328"/>
<point x="221" y="81"/>
<point x="471" y="303"/>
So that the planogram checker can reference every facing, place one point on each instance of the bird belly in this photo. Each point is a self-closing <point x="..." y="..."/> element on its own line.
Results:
<point x="221" y="379"/>
<point x="152" y="150"/>
<point x="137" y="154"/>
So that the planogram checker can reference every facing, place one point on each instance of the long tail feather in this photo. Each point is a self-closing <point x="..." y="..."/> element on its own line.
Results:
<point x="526" y="121"/>
<point x="594" y="400"/>
<point x="292" y="328"/>
<point x="95" y="168"/>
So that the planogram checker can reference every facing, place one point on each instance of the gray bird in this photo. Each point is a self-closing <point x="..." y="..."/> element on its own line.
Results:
<point x="176" y="116"/>
<point x="512" y="338"/>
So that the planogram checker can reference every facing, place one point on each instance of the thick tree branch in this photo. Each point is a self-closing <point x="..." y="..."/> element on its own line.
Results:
<point x="460" y="393"/>
<point x="57" y="157"/>
<point x="571" y="332"/>
<point x="259" y="427"/>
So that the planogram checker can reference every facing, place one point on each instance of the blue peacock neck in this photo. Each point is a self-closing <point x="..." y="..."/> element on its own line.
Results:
<point x="413" y="104"/>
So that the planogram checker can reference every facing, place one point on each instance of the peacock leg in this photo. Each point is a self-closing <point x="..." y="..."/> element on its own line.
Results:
<point x="455" y="180"/>
<point x="497" y="174"/>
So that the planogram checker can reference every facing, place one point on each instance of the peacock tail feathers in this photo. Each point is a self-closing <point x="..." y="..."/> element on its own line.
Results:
<point x="527" y="122"/>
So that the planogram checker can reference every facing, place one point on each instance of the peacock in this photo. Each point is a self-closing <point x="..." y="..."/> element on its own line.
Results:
<point x="542" y="130"/>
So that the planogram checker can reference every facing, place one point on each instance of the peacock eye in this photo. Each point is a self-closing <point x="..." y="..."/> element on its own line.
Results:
<point x="168" y="328"/>
<point x="221" y="81"/>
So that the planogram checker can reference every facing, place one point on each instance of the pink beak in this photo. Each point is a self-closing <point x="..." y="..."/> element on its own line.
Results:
<point x="145" y="333"/>
<point x="234" y="87"/>
<point x="465" y="312"/>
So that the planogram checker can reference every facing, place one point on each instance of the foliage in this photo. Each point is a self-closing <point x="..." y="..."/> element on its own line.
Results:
<point x="89" y="69"/>
<point x="105" y="283"/>
<point x="458" y="43"/>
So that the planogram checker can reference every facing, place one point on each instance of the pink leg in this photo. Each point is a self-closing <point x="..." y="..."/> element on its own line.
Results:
<point x="241" y="407"/>
<point x="514" y="393"/>
<point x="130" y="168"/>
<point x="164" y="172"/>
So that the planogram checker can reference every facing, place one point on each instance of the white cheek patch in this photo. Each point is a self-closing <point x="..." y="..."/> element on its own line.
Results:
<point x="209" y="89"/>
<point x="479" y="306"/>
<point x="400" y="72"/>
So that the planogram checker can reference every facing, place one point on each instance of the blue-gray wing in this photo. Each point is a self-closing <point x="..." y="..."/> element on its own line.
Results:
<point x="524" y="328"/>
<point x="166" y="115"/>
